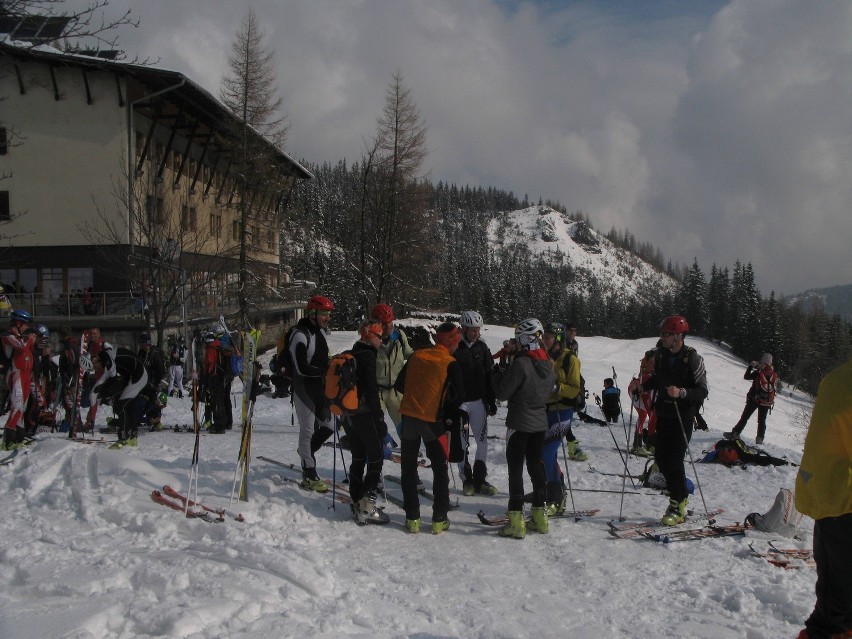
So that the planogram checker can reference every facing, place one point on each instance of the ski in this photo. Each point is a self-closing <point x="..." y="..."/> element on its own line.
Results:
<point x="692" y="534"/>
<point x="221" y="512"/>
<point x="630" y="530"/>
<point x="244" y="457"/>
<point x="339" y="495"/>
<point x="100" y="440"/>
<point x="295" y="469"/>
<point x="787" y="558"/>
<point x="502" y="520"/>
<point x="159" y="498"/>
<point x="10" y="457"/>
<point x="621" y="475"/>
<point x="397" y="459"/>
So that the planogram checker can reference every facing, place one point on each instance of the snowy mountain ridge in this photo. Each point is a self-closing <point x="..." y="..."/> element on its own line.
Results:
<point x="596" y="261"/>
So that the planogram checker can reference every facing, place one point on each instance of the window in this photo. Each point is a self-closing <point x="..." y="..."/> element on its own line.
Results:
<point x="5" y="211"/>
<point x="193" y="219"/>
<point x="188" y="218"/>
<point x="216" y="225"/>
<point x="235" y="230"/>
<point x="155" y="209"/>
<point x="4" y="144"/>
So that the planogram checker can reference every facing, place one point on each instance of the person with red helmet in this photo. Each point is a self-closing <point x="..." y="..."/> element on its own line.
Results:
<point x="309" y="355"/>
<point x="17" y="343"/>
<point x="680" y="381"/>
<point x="390" y="358"/>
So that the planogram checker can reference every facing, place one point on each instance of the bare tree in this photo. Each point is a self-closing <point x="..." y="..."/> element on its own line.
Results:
<point x="250" y="91"/>
<point x="393" y="205"/>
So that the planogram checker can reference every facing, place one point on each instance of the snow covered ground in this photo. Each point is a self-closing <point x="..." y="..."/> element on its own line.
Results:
<point x="86" y="553"/>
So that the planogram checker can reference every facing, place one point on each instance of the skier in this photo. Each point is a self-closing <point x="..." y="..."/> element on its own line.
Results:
<point x="823" y="492"/>
<point x="760" y="397"/>
<point x="560" y="412"/>
<point x="644" y="439"/>
<point x="177" y="360"/>
<point x="431" y="386"/>
<point x="17" y="343"/>
<point x="390" y="358"/>
<point x="69" y="371"/>
<point x="94" y="344"/>
<point x="475" y="360"/>
<point x="309" y="355"/>
<point x="366" y="428"/>
<point x="504" y="355"/>
<point x="122" y="384"/>
<point x="37" y="399"/>
<point x="527" y="386"/>
<point x="611" y="401"/>
<point x="218" y="413"/>
<point x="152" y="358"/>
<point x="680" y="382"/>
<point x="571" y="339"/>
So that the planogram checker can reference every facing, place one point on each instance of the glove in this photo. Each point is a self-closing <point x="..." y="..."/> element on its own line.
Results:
<point x="381" y="428"/>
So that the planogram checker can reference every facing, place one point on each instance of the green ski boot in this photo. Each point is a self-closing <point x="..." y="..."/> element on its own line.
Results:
<point x="412" y="526"/>
<point x="313" y="483"/>
<point x="516" y="528"/>
<point x="440" y="526"/>
<point x="675" y="513"/>
<point x="539" y="521"/>
<point x="575" y="453"/>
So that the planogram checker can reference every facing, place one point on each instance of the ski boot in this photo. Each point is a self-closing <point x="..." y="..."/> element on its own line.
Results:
<point x="539" y="520"/>
<point x="575" y="453"/>
<point x="480" y="472"/>
<point x="412" y="526"/>
<point x="440" y="526"/>
<point x="10" y="439"/>
<point x="556" y="498"/>
<point x="758" y="440"/>
<point x="154" y="424"/>
<point x="732" y="435"/>
<point x="311" y="481"/>
<point x="468" y="489"/>
<point x="675" y="513"/>
<point x="516" y="528"/>
<point x="487" y="489"/>
<point x="368" y="513"/>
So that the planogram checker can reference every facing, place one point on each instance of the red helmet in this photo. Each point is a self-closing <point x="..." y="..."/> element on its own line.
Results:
<point x="319" y="303"/>
<point x="382" y="312"/>
<point x="674" y="324"/>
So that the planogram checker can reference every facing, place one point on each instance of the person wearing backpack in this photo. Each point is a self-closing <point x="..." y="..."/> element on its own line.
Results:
<point x="611" y="401"/>
<point x="474" y="357"/>
<point x="645" y="436"/>
<point x="760" y="397"/>
<point x="679" y="380"/>
<point x="824" y="492"/>
<point x="152" y="359"/>
<point x="17" y="343"/>
<point x="560" y="413"/>
<point x="390" y="358"/>
<point x="308" y="353"/>
<point x="432" y="388"/>
<point x="366" y="428"/>
<point x="177" y="360"/>
<point x="526" y="386"/>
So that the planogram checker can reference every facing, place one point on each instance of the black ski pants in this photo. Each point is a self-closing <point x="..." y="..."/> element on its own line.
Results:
<point x="526" y="448"/>
<point x="673" y="435"/>
<point x="434" y="438"/>
<point x="748" y="411"/>
<point x="832" y="614"/>
<point x="367" y="453"/>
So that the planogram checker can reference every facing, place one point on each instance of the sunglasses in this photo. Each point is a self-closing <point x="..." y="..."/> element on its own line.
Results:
<point x="324" y="313"/>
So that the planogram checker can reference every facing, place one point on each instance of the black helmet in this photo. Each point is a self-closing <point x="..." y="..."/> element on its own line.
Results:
<point x="144" y="338"/>
<point x="555" y="328"/>
<point x="42" y="330"/>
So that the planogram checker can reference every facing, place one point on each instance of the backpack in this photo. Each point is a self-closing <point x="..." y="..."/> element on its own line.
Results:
<point x="283" y="360"/>
<point x="737" y="452"/>
<point x="765" y="389"/>
<point x="340" y="384"/>
<point x="652" y="477"/>
<point x="580" y="400"/>
<point x="782" y="519"/>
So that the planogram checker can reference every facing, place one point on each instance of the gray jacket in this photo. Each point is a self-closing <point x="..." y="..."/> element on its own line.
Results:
<point x="526" y="385"/>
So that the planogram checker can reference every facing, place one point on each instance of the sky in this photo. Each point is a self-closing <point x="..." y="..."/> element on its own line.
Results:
<point x="715" y="130"/>
<point x="86" y="553"/>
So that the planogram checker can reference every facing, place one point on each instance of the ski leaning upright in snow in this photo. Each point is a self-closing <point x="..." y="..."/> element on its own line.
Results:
<point x="502" y="520"/>
<point x="242" y="471"/>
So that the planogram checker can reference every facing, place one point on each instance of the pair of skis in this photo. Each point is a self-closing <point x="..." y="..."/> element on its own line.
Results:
<point x="192" y="509"/>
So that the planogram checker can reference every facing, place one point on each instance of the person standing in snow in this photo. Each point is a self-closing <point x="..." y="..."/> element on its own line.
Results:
<point x="366" y="428"/>
<point x="571" y="339"/>
<point x="527" y="387"/>
<point x="432" y="387"/>
<point x="390" y="358"/>
<point x="152" y="359"/>
<point x="760" y="397"/>
<point x="824" y="492"/>
<point x="309" y="354"/>
<point x="611" y="401"/>
<point x="644" y="438"/>
<point x="475" y="360"/>
<point x="679" y="380"/>
<point x="17" y="343"/>
<point x="177" y="360"/>
<point x="560" y="413"/>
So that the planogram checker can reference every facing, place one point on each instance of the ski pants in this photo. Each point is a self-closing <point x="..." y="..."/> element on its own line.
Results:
<point x="434" y="438"/>
<point x="672" y="441"/>
<point x="19" y="393"/>
<point x="315" y="426"/>
<point x="365" y="445"/>
<point x="478" y="419"/>
<point x="558" y="425"/>
<point x="524" y="448"/>
<point x="748" y="411"/>
<point x="832" y="613"/>
<point x="391" y="401"/>
<point x="175" y="379"/>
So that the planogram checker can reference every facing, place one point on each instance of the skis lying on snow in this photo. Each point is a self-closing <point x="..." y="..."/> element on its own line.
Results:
<point x="621" y="475"/>
<point x="341" y="493"/>
<point x="693" y="534"/>
<point x="10" y="457"/>
<point x="502" y="520"/>
<point x="787" y="558"/>
<point x="219" y="512"/>
<point x="632" y="529"/>
<point x="395" y="456"/>
<point x="423" y="492"/>
<point x="174" y="504"/>
<point x="100" y="440"/>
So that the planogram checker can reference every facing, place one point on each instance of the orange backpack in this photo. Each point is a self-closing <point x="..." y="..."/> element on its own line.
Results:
<point x="341" y="388"/>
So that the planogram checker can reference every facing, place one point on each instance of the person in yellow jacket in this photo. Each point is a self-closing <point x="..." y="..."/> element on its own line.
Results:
<point x="824" y="492"/>
<point x="430" y="383"/>
<point x="390" y="358"/>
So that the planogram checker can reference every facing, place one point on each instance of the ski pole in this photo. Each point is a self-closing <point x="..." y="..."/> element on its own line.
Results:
<point x="621" y="412"/>
<point x="620" y="454"/>
<point x="568" y="477"/>
<point x="336" y="441"/>
<point x="691" y="460"/>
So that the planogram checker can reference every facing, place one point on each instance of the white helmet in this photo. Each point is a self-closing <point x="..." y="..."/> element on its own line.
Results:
<point x="471" y="319"/>
<point x="529" y="331"/>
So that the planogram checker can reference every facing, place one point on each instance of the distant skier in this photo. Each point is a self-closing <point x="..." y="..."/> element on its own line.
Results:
<point x="17" y="343"/>
<point x="611" y="400"/>
<point x="760" y="397"/>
